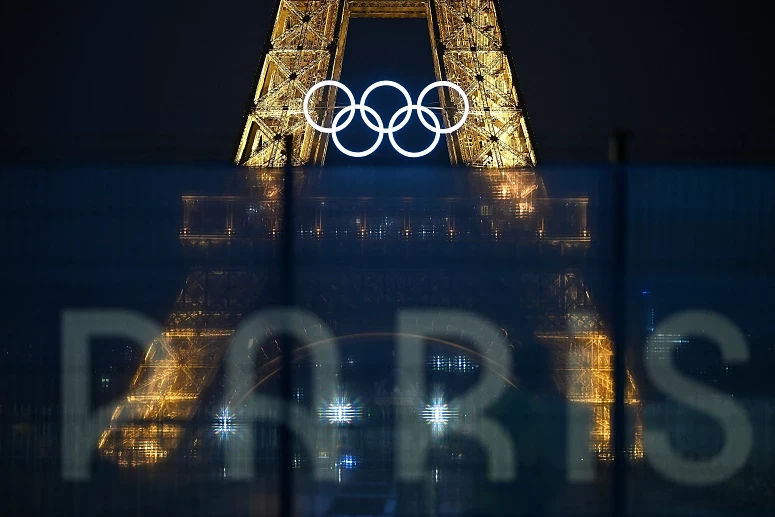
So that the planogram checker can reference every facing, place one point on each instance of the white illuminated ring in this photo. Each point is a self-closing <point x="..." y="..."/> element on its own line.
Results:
<point x="398" y="87"/>
<point x="372" y="148"/>
<point x="420" y="109"/>
<point x="315" y="88"/>
<point x="392" y="128"/>
<point x="466" y="107"/>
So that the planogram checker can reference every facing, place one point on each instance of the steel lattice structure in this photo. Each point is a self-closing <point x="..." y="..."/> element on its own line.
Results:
<point x="307" y="45"/>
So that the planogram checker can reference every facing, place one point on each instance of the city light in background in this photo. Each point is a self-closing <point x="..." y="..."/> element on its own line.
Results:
<point x="460" y="364"/>
<point x="347" y="461"/>
<point x="225" y="425"/>
<point x="341" y="411"/>
<point x="438" y="414"/>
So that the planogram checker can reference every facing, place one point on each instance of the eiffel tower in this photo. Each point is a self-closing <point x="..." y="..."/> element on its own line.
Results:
<point x="226" y="235"/>
<point x="307" y="45"/>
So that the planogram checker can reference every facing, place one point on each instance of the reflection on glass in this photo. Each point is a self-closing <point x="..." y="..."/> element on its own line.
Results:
<point x="501" y="214"/>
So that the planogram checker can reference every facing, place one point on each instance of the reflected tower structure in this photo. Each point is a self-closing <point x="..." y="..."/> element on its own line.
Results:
<point x="363" y="256"/>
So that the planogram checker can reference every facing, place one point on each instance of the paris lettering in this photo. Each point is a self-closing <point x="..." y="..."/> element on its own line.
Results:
<point x="82" y="427"/>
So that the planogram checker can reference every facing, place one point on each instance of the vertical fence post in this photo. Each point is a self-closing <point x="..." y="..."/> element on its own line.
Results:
<point x="620" y="192"/>
<point x="287" y="286"/>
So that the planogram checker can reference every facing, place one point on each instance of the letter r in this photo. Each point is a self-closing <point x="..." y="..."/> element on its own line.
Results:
<point x="414" y="327"/>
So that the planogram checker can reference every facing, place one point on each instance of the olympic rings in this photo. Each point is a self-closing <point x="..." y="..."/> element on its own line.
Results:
<point x="437" y="131"/>
<point x="397" y="87"/>
<point x="380" y="131"/>
<point x="392" y="128"/>
<point x="309" y="96"/>
<point x="458" y="89"/>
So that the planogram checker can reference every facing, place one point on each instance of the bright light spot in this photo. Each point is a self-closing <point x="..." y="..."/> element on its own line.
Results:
<point x="437" y="413"/>
<point x="348" y="461"/>
<point x="460" y="364"/>
<point x="224" y="423"/>
<point x="340" y="411"/>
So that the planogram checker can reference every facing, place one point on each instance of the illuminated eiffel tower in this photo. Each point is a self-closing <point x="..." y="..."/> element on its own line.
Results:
<point x="306" y="45"/>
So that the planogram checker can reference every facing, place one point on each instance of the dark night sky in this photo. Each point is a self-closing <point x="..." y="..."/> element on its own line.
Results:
<point x="168" y="81"/>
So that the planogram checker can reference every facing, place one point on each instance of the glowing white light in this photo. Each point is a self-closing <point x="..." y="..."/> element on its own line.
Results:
<point x="392" y="128"/>
<point x="453" y="364"/>
<point x="340" y="412"/>
<point x="381" y="84"/>
<point x="224" y="423"/>
<point x="367" y="152"/>
<point x="437" y="413"/>
<point x="318" y="86"/>
<point x="420" y="109"/>
<point x="466" y="106"/>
